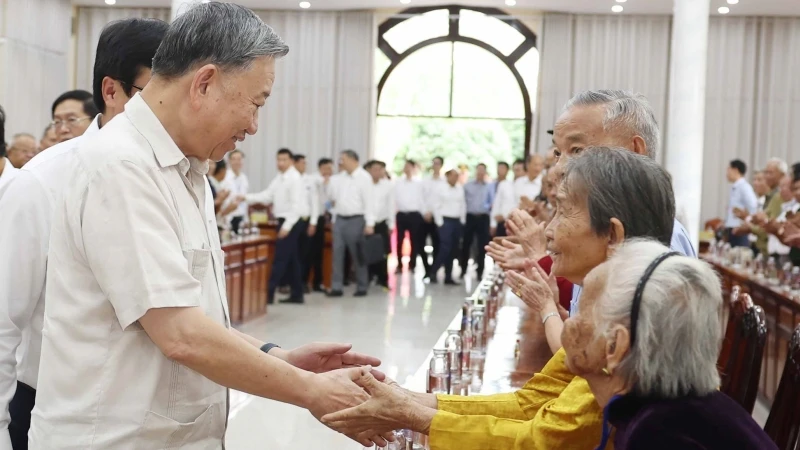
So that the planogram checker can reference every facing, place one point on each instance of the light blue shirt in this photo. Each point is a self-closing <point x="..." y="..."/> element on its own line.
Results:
<point x="680" y="243"/>
<point x="479" y="197"/>
<point x="743" y="197"/>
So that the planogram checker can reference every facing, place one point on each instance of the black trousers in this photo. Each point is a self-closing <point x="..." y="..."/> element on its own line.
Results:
<point x="379" y="270"/>
<point x="449" y="235"/>
<point x="236" y="222"/>
<point x="314" y="254"/>
<point x="20" y="409"/>
<point x="412" y="223"/>
<point x="429" y="229"/>
<point x="477" y="228"/>
<point x="500" y="230"/>
<point x="287" y="261"/>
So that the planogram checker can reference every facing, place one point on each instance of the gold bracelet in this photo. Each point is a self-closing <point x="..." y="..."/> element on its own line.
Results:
<point x="549" y="315"/>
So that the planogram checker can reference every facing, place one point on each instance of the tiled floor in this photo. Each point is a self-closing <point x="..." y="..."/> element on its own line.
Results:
<point x="400" y="327"/>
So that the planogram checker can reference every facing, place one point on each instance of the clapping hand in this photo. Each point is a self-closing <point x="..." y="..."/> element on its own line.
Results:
<point x="740" y="213"/>
<point x="533" y="285"/>
<point x="530" y="233"/>
<point x="507" y="254"/>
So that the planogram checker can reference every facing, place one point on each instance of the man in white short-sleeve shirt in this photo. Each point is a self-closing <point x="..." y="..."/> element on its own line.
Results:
<point x="137" y="349"/>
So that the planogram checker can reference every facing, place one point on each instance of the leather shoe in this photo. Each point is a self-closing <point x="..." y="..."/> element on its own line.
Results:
<point x="295" y="300"/>
<point x="335" y="293"/>
<point x="360" y="294"/>
<point x="451" y="283"/>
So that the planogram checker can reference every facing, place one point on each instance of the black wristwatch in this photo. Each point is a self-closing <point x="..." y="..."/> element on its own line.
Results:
<point x="267" y="347"/>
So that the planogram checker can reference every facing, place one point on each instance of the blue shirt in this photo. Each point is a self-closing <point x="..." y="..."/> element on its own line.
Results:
<point x="479" y="197"/>
<point x="680" y="243"/>
<point x="743" y="197"/>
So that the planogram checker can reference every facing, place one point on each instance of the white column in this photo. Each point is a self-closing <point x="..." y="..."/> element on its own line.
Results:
<point x="686" y="115"/>
<point x="179" y="6"/>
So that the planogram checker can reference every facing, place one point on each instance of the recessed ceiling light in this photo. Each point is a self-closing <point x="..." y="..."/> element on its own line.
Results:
<point x="733" y="2"/>
<point x="621" y="1"/>
<point x="405" y="2"/>
<point x="617" y="8"/>
<point x="723" y="10"/>
<point x="511" y="2"/>
<point x="305" y="5"/>
<point x="111" y="2"/>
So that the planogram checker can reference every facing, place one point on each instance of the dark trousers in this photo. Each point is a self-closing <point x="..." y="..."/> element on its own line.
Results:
<point x="449" y="235"/>
<point x="379" y="270"/>
<point x="236" y="222"/>
<point x="429" y="229"/>
<point x="412" y="223"/>
<point x="315" y="253"/>
<point x="287" y="261"/>
<point x="477" y="227"/>
<point x="500" y="230"/>
<point x="20" y="409"/>
<point x="737" y="241"/>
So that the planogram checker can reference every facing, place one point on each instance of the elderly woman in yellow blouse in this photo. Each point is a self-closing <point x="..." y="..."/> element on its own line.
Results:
<point x="646" y="339"/>
<point x="555" y="410"/>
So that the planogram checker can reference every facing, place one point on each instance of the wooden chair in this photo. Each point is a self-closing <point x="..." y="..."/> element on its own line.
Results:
<point x="783" y="423"/>
<point x="743" y="367"/>
<point x="730" y="318"/>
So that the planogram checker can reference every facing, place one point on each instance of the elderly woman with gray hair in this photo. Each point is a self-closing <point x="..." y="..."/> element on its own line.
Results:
<point x="646" y="339"/>
<point x="606" y="196"/>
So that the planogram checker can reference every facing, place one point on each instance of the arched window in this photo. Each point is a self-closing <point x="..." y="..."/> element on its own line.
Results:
<point x="455" y="81"/>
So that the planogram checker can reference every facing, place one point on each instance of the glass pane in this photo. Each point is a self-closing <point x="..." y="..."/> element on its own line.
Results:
<point x="458" y="141"/>
<point x="417" y="29"/>
<point x="483" y="86"/>
<point x="381" y="64"/>
<point x="494" y="32"/>
<point x="528" y="67"/>
<point x="420" y="85"/>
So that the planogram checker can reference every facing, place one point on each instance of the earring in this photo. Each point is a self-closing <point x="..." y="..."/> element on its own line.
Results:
<point x="605" y="372"/>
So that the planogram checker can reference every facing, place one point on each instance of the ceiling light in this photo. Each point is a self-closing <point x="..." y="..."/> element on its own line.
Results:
<point x="405" y="2"/>
<point x="305" y="5"/>
<point x="621" y="1"/>
<point x="511" y="2"/>
<point x="617" y="8"/>
<point x="733" y="2"/>
<point x="111" y="2"/>
<point x="723" y="10"/>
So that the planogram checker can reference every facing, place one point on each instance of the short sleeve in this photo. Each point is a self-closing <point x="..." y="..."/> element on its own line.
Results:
<point x="132" y="245"/>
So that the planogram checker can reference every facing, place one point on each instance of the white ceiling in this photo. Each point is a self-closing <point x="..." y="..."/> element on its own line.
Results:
<point x="744" y="7"/>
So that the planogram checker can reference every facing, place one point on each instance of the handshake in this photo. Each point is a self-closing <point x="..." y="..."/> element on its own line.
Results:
<point x="352" y="398"/>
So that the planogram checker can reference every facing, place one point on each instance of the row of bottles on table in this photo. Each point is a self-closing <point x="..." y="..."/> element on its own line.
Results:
<point x="784" y="276"/>
<point x="245" y="230"/>
<point x="407" y="440"/>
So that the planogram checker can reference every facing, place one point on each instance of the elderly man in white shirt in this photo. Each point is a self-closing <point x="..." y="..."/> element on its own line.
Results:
<point x="383" y="197"/>
<point x="138" y="351"/>
<point x="32" y="200"/>
<point x="504" y="201"/>
<point x="355" y="217"/>
<point x="450" y="215"/>
<point x="290" y="204"/>
<point x="528" y="187"/>
<point x="410" y="204"/>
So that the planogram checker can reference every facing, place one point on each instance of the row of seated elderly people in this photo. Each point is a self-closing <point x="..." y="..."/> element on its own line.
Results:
<point x="635" y="367"/>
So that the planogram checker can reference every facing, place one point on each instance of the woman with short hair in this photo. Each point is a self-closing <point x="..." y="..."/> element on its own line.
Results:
<point x="646" y="340"/>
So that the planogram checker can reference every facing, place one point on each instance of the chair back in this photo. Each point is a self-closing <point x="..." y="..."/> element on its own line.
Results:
<point x="783" y="423"/>
<point x="743" y="368"/>
<point x="729" y="318"/>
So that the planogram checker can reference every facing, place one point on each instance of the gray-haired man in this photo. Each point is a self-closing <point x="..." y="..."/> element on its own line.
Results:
<point x="138" y="351"/>
<point x="611" y="118"/>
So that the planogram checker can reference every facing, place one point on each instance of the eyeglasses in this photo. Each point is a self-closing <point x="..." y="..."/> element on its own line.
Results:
<point x="71" y="122"/>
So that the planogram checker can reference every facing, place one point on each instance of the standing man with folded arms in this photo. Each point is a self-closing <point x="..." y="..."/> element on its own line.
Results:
<point x="138" y="350"/>
<point x="122" y="66"/>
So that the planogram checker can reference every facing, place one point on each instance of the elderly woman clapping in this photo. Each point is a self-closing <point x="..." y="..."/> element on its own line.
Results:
<point x="606" y="196"/>
<point x="646" y="340"/>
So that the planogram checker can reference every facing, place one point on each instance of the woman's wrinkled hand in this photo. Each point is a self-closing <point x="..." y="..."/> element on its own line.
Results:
<point x="530" y="233"/>
<point x="387" y="409"/>
<point x="506" y="254"/>
<point x="534" y="286"/>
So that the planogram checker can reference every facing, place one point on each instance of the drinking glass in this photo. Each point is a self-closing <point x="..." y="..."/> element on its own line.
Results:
<point x="454" y="353"/>
<point x="478" y="349"/>
<point x="439" y="373"/>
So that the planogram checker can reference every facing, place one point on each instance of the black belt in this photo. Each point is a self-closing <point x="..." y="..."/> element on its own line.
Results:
<point x="478" y="214"/>
<point x="350" y="217"/>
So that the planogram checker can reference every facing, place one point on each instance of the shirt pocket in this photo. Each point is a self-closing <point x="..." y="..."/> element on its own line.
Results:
<point x="198" y="261"/>
<point x="160" y="432"/>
